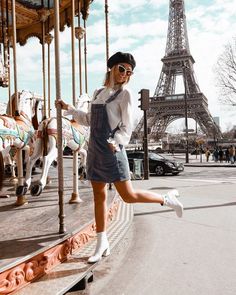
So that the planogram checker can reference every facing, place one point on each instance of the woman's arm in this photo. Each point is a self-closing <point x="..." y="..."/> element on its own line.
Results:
<point x="81" y="117"/>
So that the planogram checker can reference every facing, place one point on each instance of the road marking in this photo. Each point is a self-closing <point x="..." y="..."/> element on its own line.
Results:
<point x="231" y="180"/>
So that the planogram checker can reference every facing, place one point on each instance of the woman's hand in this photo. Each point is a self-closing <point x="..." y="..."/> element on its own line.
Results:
<point x="112" y="147"/>
<point x="64" y="106"/>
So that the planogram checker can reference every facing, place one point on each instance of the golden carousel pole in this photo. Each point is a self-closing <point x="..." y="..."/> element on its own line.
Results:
<point x="107" y="30"/>
<point x="43" y="69"/>
<point x="84" y="14"/>
<point x="4" y="82"/>
<point x="107" y="44"/>
<point x="48" y="40"/>
<point x="4" y="42"/>
<point x="75" y="194"/>
<point x="59" y="119"/>
<point x="20" y="199"/>
<point x="9" y="42"/>
<point x="43" y="16"/>
<point x="8" y="65"/>
<point x="79" y="34"/>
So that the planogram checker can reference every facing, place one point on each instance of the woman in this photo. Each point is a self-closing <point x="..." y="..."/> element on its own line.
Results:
<point x="110" y="121"/>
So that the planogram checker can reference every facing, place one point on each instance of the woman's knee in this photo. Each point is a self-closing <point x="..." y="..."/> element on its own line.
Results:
<point x="99" y="198"/>
<point x="129" y="197"/>
<point x="126" y="191"/>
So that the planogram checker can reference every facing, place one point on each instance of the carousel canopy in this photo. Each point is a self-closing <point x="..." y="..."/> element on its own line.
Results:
<point x="31" y="14"/>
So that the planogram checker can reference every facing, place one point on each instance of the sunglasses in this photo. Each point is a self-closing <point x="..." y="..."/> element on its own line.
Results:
<point x="122" y="69"/>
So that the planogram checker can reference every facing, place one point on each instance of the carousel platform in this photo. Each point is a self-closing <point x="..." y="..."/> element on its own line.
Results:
<point x="34" y="257"/>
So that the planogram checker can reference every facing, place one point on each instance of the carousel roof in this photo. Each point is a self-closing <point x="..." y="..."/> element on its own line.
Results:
<point x="30" y="14"/>
<point x="37" y="3"/>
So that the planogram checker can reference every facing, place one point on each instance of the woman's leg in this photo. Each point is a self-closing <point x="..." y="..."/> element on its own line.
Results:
<point x="100" y="206"/>
<point x="100" y="209"/>
<point x="129" y="195"/>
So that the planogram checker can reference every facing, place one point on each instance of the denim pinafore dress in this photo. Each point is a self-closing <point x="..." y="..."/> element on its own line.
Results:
<point x="103" y="165"/>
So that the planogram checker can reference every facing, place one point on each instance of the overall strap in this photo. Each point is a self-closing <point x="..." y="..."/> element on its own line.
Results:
<point x="99" y="91"/>
<point x="111" y="98"/>
<point x="114" y="95"/>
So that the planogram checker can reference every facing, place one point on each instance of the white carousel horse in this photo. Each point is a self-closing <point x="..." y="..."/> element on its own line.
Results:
<point x="74" y="135"/>
<point x="18" y="131"/>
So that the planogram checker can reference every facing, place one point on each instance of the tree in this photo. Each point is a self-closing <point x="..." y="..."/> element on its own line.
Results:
<point x="226" y="74"/>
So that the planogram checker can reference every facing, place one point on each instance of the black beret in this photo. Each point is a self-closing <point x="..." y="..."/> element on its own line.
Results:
<point x="121" y="57"/>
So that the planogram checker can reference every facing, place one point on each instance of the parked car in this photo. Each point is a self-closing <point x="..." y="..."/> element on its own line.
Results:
<point x="157" y="163"/>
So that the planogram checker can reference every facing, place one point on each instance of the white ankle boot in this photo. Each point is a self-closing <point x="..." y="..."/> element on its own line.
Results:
<point x="102" y="248"/>
<point x="170" y="200"/>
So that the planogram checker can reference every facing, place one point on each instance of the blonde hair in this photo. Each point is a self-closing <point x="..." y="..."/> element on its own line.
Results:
<point x="109" y="81"/>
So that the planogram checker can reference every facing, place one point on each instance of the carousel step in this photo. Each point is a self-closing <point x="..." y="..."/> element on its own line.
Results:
<point x="75" y="272"/>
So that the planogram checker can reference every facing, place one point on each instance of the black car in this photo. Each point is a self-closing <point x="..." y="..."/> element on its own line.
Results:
<point x="157" y="163"/>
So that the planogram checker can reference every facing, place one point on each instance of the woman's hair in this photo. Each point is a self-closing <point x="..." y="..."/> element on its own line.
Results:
<point x="109" y="80"/>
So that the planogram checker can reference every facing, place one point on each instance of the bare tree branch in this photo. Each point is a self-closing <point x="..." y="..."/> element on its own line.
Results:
<point x="225" y="70"/>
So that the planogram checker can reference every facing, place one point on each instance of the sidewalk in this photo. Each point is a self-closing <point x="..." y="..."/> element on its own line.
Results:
<point x="198" y="161"/>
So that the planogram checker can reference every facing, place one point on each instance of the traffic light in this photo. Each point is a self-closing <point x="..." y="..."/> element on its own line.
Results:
<point x="144" y="99"/>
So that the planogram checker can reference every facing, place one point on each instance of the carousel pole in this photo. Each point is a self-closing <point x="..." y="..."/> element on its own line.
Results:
<point x="85" y="49"/>
<point x="79" y="34"/>
<point x="73" y="50"/>
<point x="107" y="31"/>
<point x="9" y="65"/>
<point x="59" y="119"/>
<point x="4" y="39"/>
<point x="9" y="41"/>
<point x="43" y="16"/>
<point x="75" y="194"/>
<point x="85" y="59"/>
<point x="48" y="40"/>
<point x="43" y="69"/>
<point x="20" y="199"/>
<point x="107" y="44"/>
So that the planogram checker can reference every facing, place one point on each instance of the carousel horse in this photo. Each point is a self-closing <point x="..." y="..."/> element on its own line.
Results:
<point x="74" y="136"/>
<point x="18" y="131"/>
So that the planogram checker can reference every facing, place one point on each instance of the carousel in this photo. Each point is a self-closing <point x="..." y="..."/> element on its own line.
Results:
<point x="47" y="224"/>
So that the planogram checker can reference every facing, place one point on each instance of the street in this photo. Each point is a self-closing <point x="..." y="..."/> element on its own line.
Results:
<point x="165" y="255"/>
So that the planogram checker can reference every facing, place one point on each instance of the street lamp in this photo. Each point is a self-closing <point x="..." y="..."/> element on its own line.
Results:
<point x="185" y="112"/>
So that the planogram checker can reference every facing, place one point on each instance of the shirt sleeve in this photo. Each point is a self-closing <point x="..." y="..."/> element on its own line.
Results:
<point x="83" y="118"/>
<point x="122" y="136"/>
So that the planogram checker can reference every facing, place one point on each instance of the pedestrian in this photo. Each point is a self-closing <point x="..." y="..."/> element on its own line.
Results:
<point x="221" y="154"/>
<point x="227" y="158"/>
<point x="207" y="154"/>
<point x="110" y="121"/>
<point x="232" y="154"/>
<point x="216" y="154"/>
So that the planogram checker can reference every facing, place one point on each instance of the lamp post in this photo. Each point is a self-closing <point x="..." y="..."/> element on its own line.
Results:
<point x="186" y="113"/>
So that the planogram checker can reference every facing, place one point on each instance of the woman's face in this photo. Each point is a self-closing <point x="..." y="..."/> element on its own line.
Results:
<point x="122" y="73"/>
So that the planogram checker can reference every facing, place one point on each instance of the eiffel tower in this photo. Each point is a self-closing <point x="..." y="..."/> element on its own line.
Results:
<point x="166" y="106"/>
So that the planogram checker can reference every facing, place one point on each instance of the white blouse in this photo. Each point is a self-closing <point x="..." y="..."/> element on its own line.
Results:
<point x="119" y="112"/>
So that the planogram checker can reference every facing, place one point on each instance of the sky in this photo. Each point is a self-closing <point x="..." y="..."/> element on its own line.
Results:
<point x="140" y="27"/>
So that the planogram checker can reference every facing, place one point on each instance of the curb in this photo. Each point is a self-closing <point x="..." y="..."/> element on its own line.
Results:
<point x="208" y="165"/>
